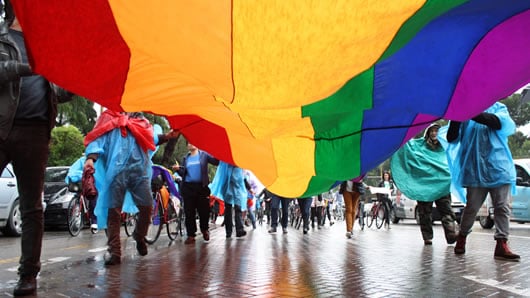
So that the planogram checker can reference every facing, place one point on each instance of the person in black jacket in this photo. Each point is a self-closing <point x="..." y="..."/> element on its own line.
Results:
<point x="28" y="106"/>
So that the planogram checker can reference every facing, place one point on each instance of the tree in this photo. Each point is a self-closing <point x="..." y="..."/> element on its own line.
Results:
<point x="78" y="112"/>
<point x="66" y="146"/>
<point x="519" y="111"/>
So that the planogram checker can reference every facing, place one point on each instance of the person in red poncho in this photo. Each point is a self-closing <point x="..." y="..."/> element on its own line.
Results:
<point x="121" y="144"/>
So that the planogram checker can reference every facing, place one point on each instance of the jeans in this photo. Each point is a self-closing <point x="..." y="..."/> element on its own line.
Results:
<point x="305" y="209"/>
<point x="27" y="148"/>
<point x="275" y="206"/>
<point x="500" y="197"/>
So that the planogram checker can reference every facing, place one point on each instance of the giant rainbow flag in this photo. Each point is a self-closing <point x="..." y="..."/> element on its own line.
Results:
<point x="301" y="92"/>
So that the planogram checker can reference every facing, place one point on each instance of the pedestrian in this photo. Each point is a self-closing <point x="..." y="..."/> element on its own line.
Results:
<point x="483" y="164"/>
<point x="305" y="210"/>
<point x="421" y="172"/>
<point x="229" y="185"/>
<point x="119" y="148"/>
<point x="387" y="183"/>
<point x="317" y="207"/>
<point x="276" y="201"/>
<point x="74" y="176"/>
<point x="352" y="190"/>
<point x="195" y="191"/>
<point x="28" y="108"/>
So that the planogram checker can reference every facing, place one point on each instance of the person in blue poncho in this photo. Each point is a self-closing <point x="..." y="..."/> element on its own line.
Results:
<point x="421" y="172"/>
<point x="229" y="185"/>
<point x="120" y="147"/>
<point x="482" y="163"/>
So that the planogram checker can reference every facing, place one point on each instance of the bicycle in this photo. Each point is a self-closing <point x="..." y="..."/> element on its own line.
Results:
<point x="167" y="213"/>
<point x="377" y="213"/>
<point x="78" y="215"/>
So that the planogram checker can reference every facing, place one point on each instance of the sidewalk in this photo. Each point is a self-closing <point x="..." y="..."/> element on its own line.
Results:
<point x="323" y="263"/>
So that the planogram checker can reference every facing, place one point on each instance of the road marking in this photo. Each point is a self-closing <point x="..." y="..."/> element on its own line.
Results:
<point x="5" y="261"/>
<point x="518" y="289"/>
<point x="97" y="249"/>
<point x="511" y="236"/>
<point x="47" y="262"/>
<point x="75" y="247"/>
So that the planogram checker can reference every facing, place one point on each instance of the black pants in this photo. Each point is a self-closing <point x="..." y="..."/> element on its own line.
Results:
<point x="196" y="200"/>
<point x="26" y="147"/>
<point x="228" y="219"/>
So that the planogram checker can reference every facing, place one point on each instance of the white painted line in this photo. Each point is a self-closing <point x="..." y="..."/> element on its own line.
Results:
<point x="518" y="290"/>
<point x="98" y="249"/>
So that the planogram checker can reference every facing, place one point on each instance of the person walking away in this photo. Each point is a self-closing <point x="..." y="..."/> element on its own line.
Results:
<point x="305" y="210"/>
<point x="276" y="201"/>
<point x="28" y="108"/>
<point x="195" y="191"/>
<point x="421" y="172"/>
<point x="229" y="185"/>
<point x="351" y="191"/>
<point x="483" y="164"/>
<point x="119" y="148"/>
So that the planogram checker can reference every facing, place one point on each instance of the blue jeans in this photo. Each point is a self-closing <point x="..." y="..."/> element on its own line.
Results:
<point x="275" y="206"/>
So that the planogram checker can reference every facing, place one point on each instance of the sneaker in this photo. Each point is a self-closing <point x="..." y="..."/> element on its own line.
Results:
<point x="427" y="242"/>
<point x="190" y="240"/>
<point x="460" y="247"/>
<point x="272" y="230"/>
<point x="306" y="230"/>
<point x="206" y="235"/>
<point x="284" y="230"/>
<point x="503" y="252"/>
<point x="26" y="285"/>
<point x="94" y="228"/>
<point x="348" y="235"/>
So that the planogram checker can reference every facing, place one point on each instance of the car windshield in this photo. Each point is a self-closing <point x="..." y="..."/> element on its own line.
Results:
<point x="56" y="175"/>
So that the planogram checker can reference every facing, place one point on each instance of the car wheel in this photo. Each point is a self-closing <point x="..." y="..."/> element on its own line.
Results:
<point x="14" y="221"/>
<point x="486" y="222"/>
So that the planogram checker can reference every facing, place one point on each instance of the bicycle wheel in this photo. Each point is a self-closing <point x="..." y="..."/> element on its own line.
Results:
<point x="361" y="215"/>
<point x="130" y="223"/>
<point x="370" y="216"/>
<point x="381" y="215"/>
<point x="74" y="216"/>
<point x="156" y="220"/>
<point x="172" y="223"/>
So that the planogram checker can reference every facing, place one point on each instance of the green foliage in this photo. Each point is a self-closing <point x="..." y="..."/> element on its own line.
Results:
<point x="66" y="146"/>
<point x="520" y="112"/>
<point x="78" y="112"/>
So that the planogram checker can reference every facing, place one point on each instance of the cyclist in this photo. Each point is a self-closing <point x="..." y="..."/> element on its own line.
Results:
<point x="388" y="183"/>
<point x="75" y="173"/>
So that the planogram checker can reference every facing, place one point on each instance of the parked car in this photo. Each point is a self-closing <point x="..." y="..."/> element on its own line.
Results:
<point x="520" y="202"/>
<point x="406" y="208"/>
<point x="56" y="195"/>
<point x="10" y="218"/>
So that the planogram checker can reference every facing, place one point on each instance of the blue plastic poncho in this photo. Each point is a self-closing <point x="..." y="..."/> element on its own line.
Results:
<point x="421" y="173"/>
<point x="75" y="172"/>
<point x="116" y="154"/>
<point x="228" y="184"/>
<point x="480" y="157"/>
